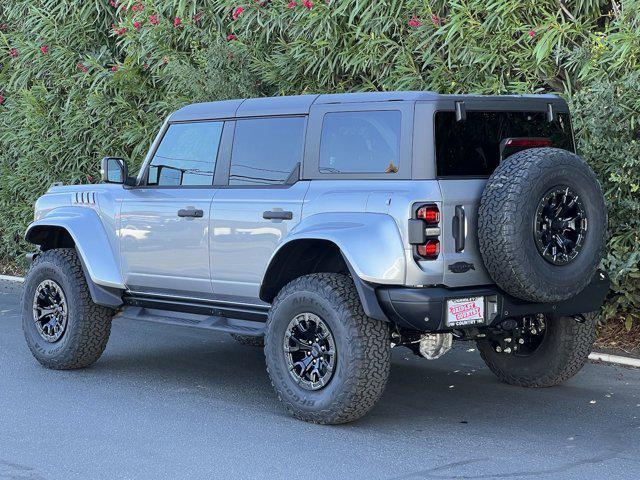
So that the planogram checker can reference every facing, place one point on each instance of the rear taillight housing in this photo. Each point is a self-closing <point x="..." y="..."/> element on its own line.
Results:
<point x="429" y="246"/>
<point x="430" y="214"/>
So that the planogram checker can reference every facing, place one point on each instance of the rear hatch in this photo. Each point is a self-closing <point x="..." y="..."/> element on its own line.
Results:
<point x="469" y="144"/>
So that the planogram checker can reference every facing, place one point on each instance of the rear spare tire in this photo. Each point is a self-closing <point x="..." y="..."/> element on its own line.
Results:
<point x="542" y="224"/>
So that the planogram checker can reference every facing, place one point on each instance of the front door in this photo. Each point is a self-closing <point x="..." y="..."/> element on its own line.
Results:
<point x="260" y="205"/>
<point x="164" y="223"/>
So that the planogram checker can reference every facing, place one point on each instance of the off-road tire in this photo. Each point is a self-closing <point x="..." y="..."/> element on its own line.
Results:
<point x="506" y="224"/>
<point x="88" y="325"/>
<point x="248" y="340"/>
<point x="363" y="350"/>
<point x="563" y="352"/>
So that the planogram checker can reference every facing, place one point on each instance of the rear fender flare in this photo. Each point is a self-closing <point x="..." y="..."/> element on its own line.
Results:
<point x="370" y="244"/>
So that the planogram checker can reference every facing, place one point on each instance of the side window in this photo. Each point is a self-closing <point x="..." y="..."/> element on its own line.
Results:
<point x="360" y="142"/>
<point x="186" y="155"/>
<point x="266" y="150"/>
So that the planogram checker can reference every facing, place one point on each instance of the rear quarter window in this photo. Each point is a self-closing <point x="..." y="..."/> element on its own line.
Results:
<point x="360" y="142"/>
<point x="472" y="147"/>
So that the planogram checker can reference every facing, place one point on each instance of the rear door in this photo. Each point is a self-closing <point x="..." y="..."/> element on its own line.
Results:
<point x="164" y="223"/>
<point x="260" y="204"/>
<point x="467" y="152"/>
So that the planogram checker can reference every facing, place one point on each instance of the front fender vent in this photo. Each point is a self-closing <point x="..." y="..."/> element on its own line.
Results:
<point x="84" y="198"/>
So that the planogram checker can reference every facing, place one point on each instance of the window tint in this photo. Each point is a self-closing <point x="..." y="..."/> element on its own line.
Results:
<point x="266" y="150"/>
<point x="186" y="155"/>
<point x="472" y="147"/>
<point x="360" y="142"/>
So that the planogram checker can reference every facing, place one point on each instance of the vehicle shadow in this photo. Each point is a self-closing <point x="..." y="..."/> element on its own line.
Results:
<point x="454" y="391"/>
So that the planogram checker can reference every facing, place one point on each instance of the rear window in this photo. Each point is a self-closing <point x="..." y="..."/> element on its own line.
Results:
<point x="472" y="147"/>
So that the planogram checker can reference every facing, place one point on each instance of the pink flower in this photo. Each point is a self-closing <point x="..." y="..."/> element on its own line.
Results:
<point x="414" y="22"/>
<point x="118" y="31"/>
<point x="308" y="4"/>
<point x="237" y="12"/>
<point x="1" y="99"/>
<point x="435" y="19"/>
<point x="13" y="53"/>
<point x="134" y="8"/>
<point x="82" y="67"/>
<point x="114" y="4"/>
<point x="292" y="4"/>
<point x="137" y="25"/>
<point x="153" y="20"/>
<point x="4" y="27"/>
<point x="114" y="69"/>
<point x="177" y="22"/>
<point x="197" y="17"/>
<point x="44" y="49"/>
<point x="231" y="37"/>
<point x="532" y="33"/>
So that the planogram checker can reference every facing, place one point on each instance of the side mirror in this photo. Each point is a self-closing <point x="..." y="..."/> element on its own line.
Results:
<point x="114" y="170"/>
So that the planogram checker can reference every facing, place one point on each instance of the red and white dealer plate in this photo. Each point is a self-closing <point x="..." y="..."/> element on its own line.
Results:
<point x="465" y="311"/>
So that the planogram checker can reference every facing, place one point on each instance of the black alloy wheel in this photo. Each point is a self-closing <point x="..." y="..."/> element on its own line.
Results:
<point x="50" y="310"/>
<point x="560" y="225"/>
<point x="310" y="351"/>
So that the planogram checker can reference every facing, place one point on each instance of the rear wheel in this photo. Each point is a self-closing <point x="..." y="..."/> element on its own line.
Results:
<point x="63" y="328"/>
<point x="327" y="360"/>
<point x="545" y="351"/>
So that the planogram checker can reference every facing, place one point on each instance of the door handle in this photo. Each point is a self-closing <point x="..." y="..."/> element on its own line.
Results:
<point x="459" y="228"/>
<point x="190" y="212"/>
<point x="277" y="215"/>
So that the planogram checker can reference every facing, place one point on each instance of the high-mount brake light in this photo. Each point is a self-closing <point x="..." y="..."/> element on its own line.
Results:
<point x="430" y="250"/>
<point x="430" y="214"/>
<point x="528" y="142"/>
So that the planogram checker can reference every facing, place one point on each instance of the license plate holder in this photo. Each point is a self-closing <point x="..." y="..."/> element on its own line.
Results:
<point x="464" y="312"/>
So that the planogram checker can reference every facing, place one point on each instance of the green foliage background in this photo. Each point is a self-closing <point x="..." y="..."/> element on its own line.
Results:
<point x="64" y="108"/>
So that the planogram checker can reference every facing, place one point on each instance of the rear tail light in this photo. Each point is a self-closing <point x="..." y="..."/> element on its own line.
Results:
<point x="430" y="250"/>
<point x="429" y="245"/>
<point x="430" y="214"/>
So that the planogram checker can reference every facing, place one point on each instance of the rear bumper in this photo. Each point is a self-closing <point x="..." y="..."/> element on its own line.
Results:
<point x="424" y="309"/>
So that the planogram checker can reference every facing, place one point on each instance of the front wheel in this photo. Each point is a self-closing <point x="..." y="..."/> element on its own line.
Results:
<point x="63" y="328"/>
<point x="546" y="351"/>
<point x="327" y="360"/>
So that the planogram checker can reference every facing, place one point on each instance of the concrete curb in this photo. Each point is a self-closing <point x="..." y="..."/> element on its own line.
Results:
<point x="615" y="359"/>
<point x="594" y="356"/>
<point x="9" y="278"/>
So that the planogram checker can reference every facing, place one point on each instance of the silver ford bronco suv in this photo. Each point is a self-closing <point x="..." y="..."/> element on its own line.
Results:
<point x="330" y="229"/>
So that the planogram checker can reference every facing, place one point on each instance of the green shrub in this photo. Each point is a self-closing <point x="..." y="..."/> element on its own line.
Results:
<point x="65" y="108"/>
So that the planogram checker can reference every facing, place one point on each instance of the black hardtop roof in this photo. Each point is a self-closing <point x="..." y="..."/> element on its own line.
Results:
<point x="300" y="104"/>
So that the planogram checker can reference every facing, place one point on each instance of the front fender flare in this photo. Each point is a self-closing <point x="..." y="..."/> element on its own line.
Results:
<point x="370" y="243"/>
<point x="92" y="244"/>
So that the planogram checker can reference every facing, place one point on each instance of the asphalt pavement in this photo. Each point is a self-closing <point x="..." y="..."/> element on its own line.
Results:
<point x="173" y="403"/>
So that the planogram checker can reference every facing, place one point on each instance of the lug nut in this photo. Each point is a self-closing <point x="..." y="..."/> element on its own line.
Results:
<point x="508" y="340"/>
<point x="507" y="350"/>
<point x="521" y="341"/>
<point x="498" y="349"/>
